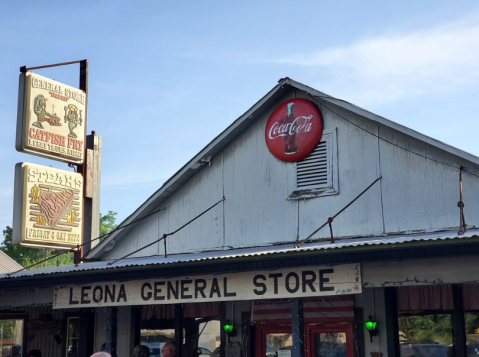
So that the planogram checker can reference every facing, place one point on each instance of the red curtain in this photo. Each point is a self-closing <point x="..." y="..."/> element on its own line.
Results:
<point x="470" y="295"/>
<point x="424" y="297"/>
<point x="205" y="309"/>
<point x="331" y="309"/>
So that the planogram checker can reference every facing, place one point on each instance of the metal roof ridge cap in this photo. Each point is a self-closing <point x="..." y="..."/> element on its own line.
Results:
<point x="99" y="247"/>
<point x="390" y="123"/>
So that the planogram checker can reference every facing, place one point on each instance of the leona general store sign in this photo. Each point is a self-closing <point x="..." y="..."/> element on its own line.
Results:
<point x="282" y="283"/>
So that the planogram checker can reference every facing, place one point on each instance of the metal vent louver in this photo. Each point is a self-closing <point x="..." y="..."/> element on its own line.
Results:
<point x="313" y="170"/>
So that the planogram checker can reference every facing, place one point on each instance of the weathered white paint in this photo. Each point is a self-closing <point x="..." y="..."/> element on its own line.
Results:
<point x="256" y="188"/>
<point x="281" y="283"/>
<point x="26" y="297"/>
<point x="358" y="168"/>
<point x="123" y="343"/>
<point x="453" y="270"/>
<point x="201" y="192"/>
<point x="414" y="194"/>
<point x="330" y="139"/>
<point x="44" y="343"/>
<point x="364" y="301"/>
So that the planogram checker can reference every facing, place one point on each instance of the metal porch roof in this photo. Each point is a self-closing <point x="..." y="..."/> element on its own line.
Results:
<point x="344" y="245"/>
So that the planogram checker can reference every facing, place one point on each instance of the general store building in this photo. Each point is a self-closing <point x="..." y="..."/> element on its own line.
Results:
<point x="234" y="223"/>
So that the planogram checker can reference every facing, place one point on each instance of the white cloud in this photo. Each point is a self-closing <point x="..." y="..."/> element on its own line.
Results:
<point x="392" y="66"/>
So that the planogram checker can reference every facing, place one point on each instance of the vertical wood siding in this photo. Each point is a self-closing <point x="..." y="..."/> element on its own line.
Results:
<point x="256" y="187"/>
<point x="195" y="196"/>
<point x="358" y="168"/>
<point x="415" y="193"/>
<point x="420" y="194"/>
<point x="45" y="343"/>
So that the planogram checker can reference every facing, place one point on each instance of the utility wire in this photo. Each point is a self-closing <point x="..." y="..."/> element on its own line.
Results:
<point x="377" y="136"/>
<point x="121" y="227"/>
<point x="330" y="219"/>
<point x="77" y="248"/>
<point x="167" y="234"/>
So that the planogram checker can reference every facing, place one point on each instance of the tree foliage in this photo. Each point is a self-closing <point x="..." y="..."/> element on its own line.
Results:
<point x="435" y="328"/>
<point x="27" y="256"/>
<point x="107" y="223"/>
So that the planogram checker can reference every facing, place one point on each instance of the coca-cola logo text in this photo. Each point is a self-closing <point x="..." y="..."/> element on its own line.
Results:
<point x="294" y="129"/>
<point x="278" y="129"/>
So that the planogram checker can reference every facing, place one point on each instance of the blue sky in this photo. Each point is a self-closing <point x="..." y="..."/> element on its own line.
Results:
<point x="166" y="77"/>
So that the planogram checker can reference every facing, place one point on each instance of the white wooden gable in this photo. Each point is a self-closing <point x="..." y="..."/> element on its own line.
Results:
<point x="263" y="204"/>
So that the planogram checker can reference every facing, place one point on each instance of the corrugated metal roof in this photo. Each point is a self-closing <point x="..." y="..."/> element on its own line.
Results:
<point x="344" y="244"/>
<point x="7" y="264"/>
<point x="236" y="129"/>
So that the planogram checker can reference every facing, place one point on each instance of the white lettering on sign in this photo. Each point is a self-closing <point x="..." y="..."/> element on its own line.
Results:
<point x="55" y="87"/>
<point x="298" y="125"/>
<point x="283" y="283"/>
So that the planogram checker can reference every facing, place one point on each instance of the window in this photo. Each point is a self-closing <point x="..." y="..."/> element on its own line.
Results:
<point x="317" y="174"/>
<point x="471" y="318"/>
<point x="425" y="321"/>
<point x="427" y="335"/>
<point x="73" y="333"/>
<point x="11" y="337"/>
<point x="200" y="334"/>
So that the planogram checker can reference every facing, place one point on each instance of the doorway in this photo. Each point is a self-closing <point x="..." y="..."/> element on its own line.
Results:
<point x="321" y="340"/>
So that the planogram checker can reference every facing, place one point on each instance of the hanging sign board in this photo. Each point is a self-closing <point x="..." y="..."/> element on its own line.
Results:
<point x="293" y="130"/>
<point x="271" y="284"/>
<point x="48" y="207"/>
<point x="51" y="119"/>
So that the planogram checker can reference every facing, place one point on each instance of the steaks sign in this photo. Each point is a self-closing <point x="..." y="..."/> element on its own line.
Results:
<point x="48" y="207"/>
<point x="293" y="130"/>
<point x="282" y="283"/>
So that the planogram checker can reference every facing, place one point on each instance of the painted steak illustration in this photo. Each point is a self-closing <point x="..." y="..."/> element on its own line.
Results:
<point x="55" y="205"/>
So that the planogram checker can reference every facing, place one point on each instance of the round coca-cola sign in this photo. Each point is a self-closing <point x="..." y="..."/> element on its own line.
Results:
<point x="294" y="129"/>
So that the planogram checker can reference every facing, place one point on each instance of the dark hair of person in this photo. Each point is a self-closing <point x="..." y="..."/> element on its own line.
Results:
<point x="34" y="353"/>
<point x="141" y="351"/>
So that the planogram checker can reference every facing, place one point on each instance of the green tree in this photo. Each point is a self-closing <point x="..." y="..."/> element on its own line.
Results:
<point x="107" y="223"/>
<point x="27" y="256"/>
<point x="434" y="328"/>
<point x="18" y="253"/>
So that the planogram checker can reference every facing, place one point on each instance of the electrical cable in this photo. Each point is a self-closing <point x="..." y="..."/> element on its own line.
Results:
<point x="330" y="219"/>
<point x="377" y="136"/>
<point x="166" y="235"/>
<point x="78" y="246"/>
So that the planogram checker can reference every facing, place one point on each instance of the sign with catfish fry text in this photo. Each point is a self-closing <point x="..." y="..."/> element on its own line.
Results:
<point x="255" y="285"/>
<point x="51" y="119"/>
<point x="48" y="207"/>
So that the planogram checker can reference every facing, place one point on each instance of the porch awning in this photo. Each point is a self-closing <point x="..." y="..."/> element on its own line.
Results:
<point x="352" y="250"/>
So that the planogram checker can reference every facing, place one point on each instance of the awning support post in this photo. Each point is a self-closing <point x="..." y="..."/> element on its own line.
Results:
<point x="298" y="328"/>
<point x="111" y="330"/>
<point x="179" y="329"/>
<point x="458" y="324"/>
